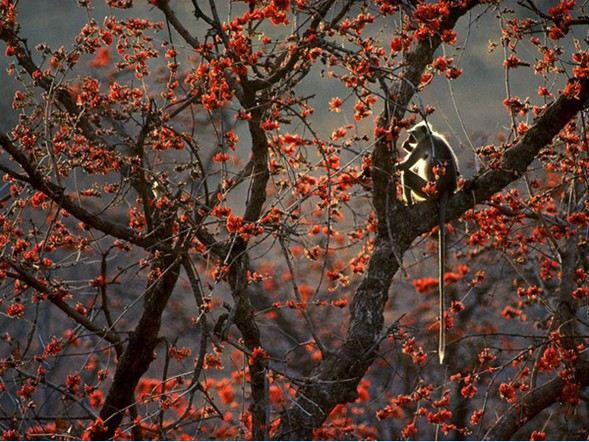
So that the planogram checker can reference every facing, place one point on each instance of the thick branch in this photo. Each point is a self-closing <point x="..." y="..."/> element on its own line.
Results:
<point x="335" y="380"/>
<point x="423" y="217"/>
<point x="139" y="352"/>
<point x="57" y="194"/>
<point x="55" y="299"/>
<point x="171" y="16"/>
<point x="532" y="404"/>
<point x="397" y="101"/>
<point x="565" y="305"/>
<point x="67" y="100"/>
<point x="564" y="321"/>
<point x="239" y="265"/>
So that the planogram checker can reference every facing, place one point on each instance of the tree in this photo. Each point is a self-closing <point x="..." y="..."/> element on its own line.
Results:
<point x="190" y="249"/>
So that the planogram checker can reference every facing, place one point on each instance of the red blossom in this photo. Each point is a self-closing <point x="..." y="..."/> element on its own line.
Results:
<point x="515" y="105"/>
<point x="441" y="63"/>
<point x="11" y="435"/>
<point x="456" y="307"/>
<point x="510" y="312"/>
<point x="234" y="223"/>
<point x="99" y="281"/>
<point x="179" y="353"/>
<point x="580" y="293"/>
<point x="538" y="435"/>
<point x="15" y="310"/>
<point x="335" y="104"/>
<point x="453" y="73"/>
<point x="424" y="285"/>
<point x="409" y="430"/>
<point x="486" y="356"/>
<point x="258" y="354"/>
<point x="198" y="165"/>
<point x="449" y="36"/>
<point x="476" y="416"/>
<point x="396" y="44"/>
<point x="513" y="62"/>
<point x="54" y="347"/>
<point x="543" y="91"/>
<point x="72" y="382"/>
<point x="468" y="391"/>
<point x="571" y="393"/>
<point x="341" y="303"/>
<point x="440" y="417"/>
<point x="26" y="390"/>
<point x="507" y="392"/>
<point x="221" y="157"/>
<point x="102" y="59"/>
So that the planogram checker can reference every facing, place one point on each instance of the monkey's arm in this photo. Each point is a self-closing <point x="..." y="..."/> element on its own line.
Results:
<point x="413" y="158"/>
<point x="414" y="182"/>
<point x="409" y="143"/>
<point x="407" y="195"/>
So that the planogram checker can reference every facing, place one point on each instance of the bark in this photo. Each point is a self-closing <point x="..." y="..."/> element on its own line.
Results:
<point x="239" y="258"/>
<point x="57" y="193"/>
<point x="336" y="379"/>
<point x="236" y="255"/>
<point x="139" y="352"/>
<point x="423" y="217"/>
<point x="531" y="404"/>
<point x="55" y="299"/>
<point x="564" y="321"/>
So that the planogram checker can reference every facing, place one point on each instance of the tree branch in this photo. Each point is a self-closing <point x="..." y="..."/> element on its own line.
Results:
<point x="139" y="352"/>
<point x="55" y="299"/>
<point x="335" y="380"/>
<point x="533" y="403"/>
<point x="171" y="16"/>
<point x="514" y="164"/>
<point x="56" y="193"/>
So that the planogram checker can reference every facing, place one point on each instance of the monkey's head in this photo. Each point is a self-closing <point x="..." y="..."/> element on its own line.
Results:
<point x="420" y="131"/>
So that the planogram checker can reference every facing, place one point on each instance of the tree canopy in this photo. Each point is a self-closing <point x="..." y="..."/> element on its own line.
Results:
<point x="203" y="235"/>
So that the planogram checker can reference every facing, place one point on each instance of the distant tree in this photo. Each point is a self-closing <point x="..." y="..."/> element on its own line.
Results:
<point x="193" y="247"/>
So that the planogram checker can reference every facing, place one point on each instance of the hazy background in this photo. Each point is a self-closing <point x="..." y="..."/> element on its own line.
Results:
<point x="477" y="95"/>
<point x="468" y="110"/>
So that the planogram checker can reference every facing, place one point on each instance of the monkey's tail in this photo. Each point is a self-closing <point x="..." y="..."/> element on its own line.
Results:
<point x="441" y="265"/>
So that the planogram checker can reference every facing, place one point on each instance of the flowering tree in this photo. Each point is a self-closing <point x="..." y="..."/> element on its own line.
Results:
<point x="190" y="250"/>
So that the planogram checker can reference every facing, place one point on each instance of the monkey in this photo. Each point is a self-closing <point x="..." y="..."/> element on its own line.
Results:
<point x="408" y="145"/>
<point x="437" y="163"/>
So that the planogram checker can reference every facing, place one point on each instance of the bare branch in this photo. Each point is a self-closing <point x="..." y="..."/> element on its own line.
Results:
<point x="55" y="299"/>
<point x="533" y="403"/>
<point x="138" y="353"/>
<point x="57" y="194"/>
